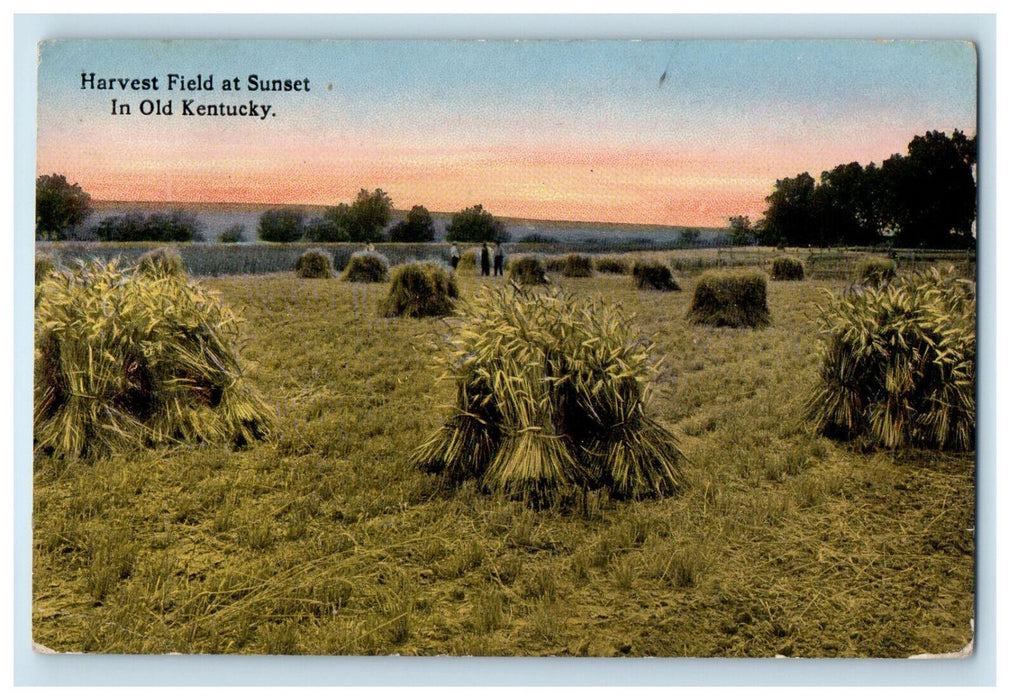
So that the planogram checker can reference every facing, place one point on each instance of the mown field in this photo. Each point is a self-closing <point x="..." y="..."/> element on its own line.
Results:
<point x="326" y="541"/>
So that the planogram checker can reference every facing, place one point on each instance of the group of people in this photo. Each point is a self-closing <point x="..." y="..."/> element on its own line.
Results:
<point x="486" y="255"/>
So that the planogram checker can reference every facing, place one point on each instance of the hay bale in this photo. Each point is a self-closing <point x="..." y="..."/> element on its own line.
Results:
<point x="468" y="263"/>
<point x="126" y="359"/>
<point x="575" y="265"/>
<point x="612" y="266"/>
<point x="314" y="263"/>
<point x="786" y="268"/>
<point x="898" y="364"/>
<point x="653" y="275"/>
<point x="873" y="270"/>
<point x="420" y="289"/>
<point x="161" y="262"/>
<point x="527" y="269"/>
<point x="734" y="298"/>
<point x="550" y="398"/>
<point x="366" y="266"/>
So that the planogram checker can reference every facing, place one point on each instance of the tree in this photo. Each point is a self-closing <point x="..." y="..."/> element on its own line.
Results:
<point x="367" y="217"/>
<point x="177" y="226"/>
<point x="474" y="225"/>
<point x="847" y="205"/>
<point x="790" y="218"/>
<point x="689" y="237"/>
<point x="326" y="229"/>
<point x="281" y="225"/>
<point x="59" y="206"/>
<point x="739" y="231"/>
<point x="417" y="227"/>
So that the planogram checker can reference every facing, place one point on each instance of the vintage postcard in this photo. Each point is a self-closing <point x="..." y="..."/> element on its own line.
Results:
<point x="505" y="348"/>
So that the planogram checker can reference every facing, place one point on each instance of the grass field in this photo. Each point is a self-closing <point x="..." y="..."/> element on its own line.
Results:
<point x="327" y="542"/>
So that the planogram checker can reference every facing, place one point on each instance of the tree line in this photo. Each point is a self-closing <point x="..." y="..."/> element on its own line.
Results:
<point x="926" y="198"/>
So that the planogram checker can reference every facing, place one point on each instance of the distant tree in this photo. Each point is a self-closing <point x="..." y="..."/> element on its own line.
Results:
<point x="689" y="237"/>
<point x="475" y="225"/>
<point x="233" y="234"/>
<point x="740" y="231"/>
<point x="417" y="227"/>
<point x="59" y="206"/>
<point x="367" y="217"/>
<point x="325" y="229"/>
<point x="176" y="227"/>
<point x="281" y="225"/>
<point x="847" y="207"/>
<point x="790" y="218"/>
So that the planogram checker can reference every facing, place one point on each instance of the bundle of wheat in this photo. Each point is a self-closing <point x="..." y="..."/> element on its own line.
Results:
<point x="468" y="264"/>
<point x="420" y="289"/>
<point x="527" y="269"/>
<point x="898" y="364"/>
<point x="786" y="268"/>
<point x="653" y="275"/>
<point x="314" y="263"/>
<point x="161" y="262"/>
<point x="575" y="265"/>
<point x="45" y="265"/>
<point x="874" y="270"/>
<point x="551" y="396"/>
<point x="612" y="266"/>
<point x="125" y="359"/>
<point x="730" y="298"/>
<point x="366" y="266"/>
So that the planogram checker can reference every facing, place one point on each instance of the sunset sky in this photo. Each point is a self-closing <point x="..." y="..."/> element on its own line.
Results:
<point x="571" y="130"/>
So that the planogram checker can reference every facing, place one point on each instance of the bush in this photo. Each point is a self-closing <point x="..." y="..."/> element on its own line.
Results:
<point x="177" y="227"/>
<point x="898" y="364"/>
<point x="126" y="360"/>
<point x="787" y="268"/>
<point x="577" y="266"/>
<point x="233" y="234"/>
<point x="875" y="270"/>
<point x="730" y="298"/>
<point x="527" y="269"/>
<point x="467" y="263"/>
<point x="45" y="265"/>
<point x="551" y="394"/>
<point x="281" y="225"/>
<point x="161" y="262"/>
<point x="366" y="266"/>
<point x="324" y="230"/>
<point x="475" y="225"/>
<point x="314" y="264"/>
<point x="420" y="289"/>
<point x="651" y="275"/>
<point x="612" y="266"/>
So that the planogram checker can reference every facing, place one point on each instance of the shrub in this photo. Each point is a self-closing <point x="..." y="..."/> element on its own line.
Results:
<point x="324" y="230"/>
<point x="45" y="265"/>
<point x="467" y="263"/>
<point x="652" y="275"/>
<point x="161" y="262"/>
<point x="177" y="226"/>
<point x="281" y="225"/>
<point x="787" y="268"/>
<point x="577" y="266"/>
<point x="527" y="269"/>
<point x="233" y="234"/>
<point x="475" y="225"/>
<point x="612" y="266"/>
<point x="420" y="289"/>
<point x="898" y="364"/>
<point x="550" y="396"/>
<point x="875" y="270"/>
<point x="730" y="298"/>
<point x="366" y="266"/>
<point x="314" y="263"/>
<point x="125" y="360"/>
<point x="538" y="238"/>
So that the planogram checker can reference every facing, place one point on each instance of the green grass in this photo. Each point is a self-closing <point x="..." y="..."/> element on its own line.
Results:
<point x="328" y="542"/>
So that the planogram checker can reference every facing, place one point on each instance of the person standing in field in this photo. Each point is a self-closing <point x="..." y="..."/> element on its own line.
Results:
<point x="485" y="261"/>
<point x="453" y="253"/>
<point x="499" y="259"/>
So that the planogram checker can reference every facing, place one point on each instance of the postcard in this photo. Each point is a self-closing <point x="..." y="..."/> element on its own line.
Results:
<point x="528" y="348"/>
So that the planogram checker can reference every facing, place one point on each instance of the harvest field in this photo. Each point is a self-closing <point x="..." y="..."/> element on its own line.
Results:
<point x="327" y="541"/>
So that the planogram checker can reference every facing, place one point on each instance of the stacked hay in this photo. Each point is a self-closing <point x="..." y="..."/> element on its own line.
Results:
<point x="45" y="265"/>
<point x="161" y="262"/>
<point x="875" y="270"/>
<point x="527" y="269"/>
<point x="125" y="358"/>
<point x="468" y="264"/>
<point x="420" y="289"/>
<point x="898" y="364"/>
<point x="551" y="394"/>
<point x="733" y="298"/>
<point x="314" y="263"/>
<point x="575" y="265"/>
<point x="653" y="275"/>
<point x="366" y="266"/>
<point x="785" y="268"/>
<point x="612" y="266"/>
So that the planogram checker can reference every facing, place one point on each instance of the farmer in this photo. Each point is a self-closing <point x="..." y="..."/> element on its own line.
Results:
<point x="499" y="259"/>
<point x="453" y="253"/>
<point x="485" y="261"/>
